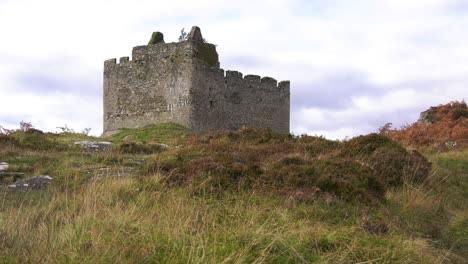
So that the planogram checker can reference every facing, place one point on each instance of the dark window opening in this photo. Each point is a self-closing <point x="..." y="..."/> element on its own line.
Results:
<point x="211" y="104"/>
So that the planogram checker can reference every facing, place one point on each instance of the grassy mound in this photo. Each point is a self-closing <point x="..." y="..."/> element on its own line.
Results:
<point x="392" y="164"/>
<point x="168" y="133"/>
<point x="254" y="159"/>
<point x="361" y="169"/>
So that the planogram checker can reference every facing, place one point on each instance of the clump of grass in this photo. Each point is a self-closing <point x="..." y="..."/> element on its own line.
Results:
<point x="456" y="232"/>
<point x="348" y="179"/>
<point x="139" y="148"/>
<point x="36" y="140"/>
<point x="391" y="162"/>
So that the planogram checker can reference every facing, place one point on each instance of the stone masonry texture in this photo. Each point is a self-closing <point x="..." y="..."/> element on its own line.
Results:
<point x="183" y="83"/>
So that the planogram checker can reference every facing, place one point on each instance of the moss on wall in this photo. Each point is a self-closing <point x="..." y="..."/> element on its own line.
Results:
<point x="207" y="53"/>
<point x="156" y="38"/>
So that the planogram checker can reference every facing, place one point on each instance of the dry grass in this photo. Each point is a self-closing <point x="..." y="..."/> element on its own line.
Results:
<point x="135" y="221"/>
<point x="179" y="207"/>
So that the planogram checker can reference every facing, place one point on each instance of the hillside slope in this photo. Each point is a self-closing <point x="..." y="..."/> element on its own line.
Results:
<point x="160" y="194"/>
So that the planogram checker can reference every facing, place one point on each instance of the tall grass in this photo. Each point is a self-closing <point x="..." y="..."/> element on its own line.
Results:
<point x="138" y="221"/>
<point x="161" y="213"/>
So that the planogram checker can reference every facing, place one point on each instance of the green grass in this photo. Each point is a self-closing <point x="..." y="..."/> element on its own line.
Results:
<point x="230" y="197"/>
<point x="167" y="133"/>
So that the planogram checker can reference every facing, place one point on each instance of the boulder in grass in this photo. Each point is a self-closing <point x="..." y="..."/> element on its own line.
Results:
<point x="34" y="183"/>
<point x="3" y="166"/>
<point x="94" y="145"/>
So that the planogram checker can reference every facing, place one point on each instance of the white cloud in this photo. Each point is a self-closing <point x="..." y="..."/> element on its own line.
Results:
<point x="395" y="44"/>
<point x="52" y="110"/>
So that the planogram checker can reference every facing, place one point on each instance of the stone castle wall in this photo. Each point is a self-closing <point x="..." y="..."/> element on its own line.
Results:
<point x="227" y="100"/>
<point x="152" y="88"/>
<point x="182" y="83"/>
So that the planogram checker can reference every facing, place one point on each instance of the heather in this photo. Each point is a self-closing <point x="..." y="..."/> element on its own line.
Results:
<point x="161" y="194"/>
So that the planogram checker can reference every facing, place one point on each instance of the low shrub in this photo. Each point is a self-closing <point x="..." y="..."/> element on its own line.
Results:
<point x="140" y="148"/>
<point x="391" y="163"/>
<point x="349" y="179"/>
<point x="35" y="139"/>
<point x="6" y="140"/>
<point x="315" y="146"/>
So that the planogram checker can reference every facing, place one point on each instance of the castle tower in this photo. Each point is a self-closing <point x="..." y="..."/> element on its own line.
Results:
<point x="183" y="83"/>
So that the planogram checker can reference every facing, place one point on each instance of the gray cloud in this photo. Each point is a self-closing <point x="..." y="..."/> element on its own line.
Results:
<point x="63" y="74"/>
<point x="45" y="82"/>
<point x="239" y="61"/>
<point x="332" y="92"/>
<point x="347" y="105"/>
<point x="353" y="65"/>
<point x="458" y="7"/>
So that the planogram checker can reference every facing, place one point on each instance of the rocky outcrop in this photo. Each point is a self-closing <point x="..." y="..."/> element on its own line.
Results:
<point x="427" y="117"/>
<point x="94" y="145"/>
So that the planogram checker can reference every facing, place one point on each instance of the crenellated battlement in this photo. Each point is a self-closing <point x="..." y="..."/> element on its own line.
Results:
<point x="252" y="78"/>
<point x="110" y="63"/>
<point x="182" y="82"/>
<point x="255" y="81"/>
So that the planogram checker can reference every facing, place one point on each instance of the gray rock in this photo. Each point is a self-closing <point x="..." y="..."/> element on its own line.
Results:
<point x="108" y="173"/>
<point x="34" y="183"/>
<point x="195" y="35"/>
<point x="136" y="161"/>
<point x="164" y="146"/>
<point x="94" y="145"/>
<point x="427" y="117"/>
<point x="4" y="166"/>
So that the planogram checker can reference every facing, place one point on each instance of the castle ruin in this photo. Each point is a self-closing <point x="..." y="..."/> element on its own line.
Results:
<point x="183" y="83"/>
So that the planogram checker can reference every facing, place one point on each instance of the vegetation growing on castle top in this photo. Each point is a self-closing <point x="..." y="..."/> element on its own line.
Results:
<point x="207" y="53"/>
<point x="156" y="38"/>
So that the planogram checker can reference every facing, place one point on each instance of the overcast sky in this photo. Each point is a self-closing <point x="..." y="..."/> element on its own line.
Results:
<point x="353" y="65"/>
